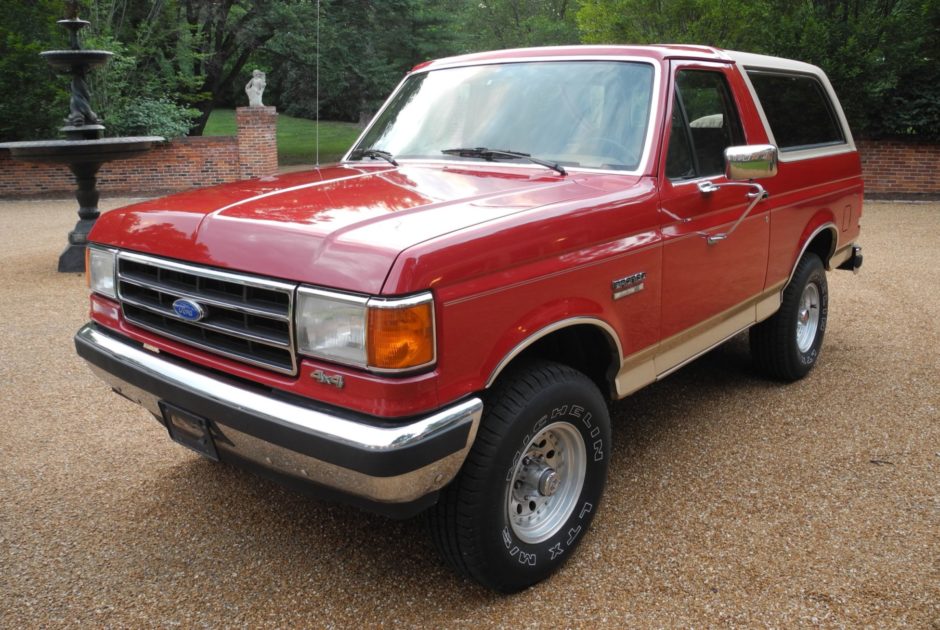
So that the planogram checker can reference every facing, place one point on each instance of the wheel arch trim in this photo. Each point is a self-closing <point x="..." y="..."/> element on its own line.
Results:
<point x="828" y="225"/>
<point x="541" y="333"/>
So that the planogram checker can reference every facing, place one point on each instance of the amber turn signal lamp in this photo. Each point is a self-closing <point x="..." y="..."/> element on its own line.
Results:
<point x="87" y="267"/>
<point x="401" y="338"/>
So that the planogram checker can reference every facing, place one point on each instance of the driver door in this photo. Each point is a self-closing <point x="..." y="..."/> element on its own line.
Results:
<point x="705" y="285"/>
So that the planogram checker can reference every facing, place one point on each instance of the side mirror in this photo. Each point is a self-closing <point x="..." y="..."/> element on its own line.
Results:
<point x="753" y="161"/>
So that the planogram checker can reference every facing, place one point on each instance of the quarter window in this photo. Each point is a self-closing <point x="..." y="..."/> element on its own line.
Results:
<point x="704" y="123"/>
<point x="798" y="110"/>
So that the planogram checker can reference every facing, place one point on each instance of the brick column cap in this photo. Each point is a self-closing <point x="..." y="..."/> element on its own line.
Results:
<point x="267" y="109"/>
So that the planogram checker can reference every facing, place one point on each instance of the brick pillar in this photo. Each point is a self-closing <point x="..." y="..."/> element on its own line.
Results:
<point x="257" y="141"/>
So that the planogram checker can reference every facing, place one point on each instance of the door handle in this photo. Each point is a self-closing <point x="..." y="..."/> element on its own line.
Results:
<point x="756" y="195"/>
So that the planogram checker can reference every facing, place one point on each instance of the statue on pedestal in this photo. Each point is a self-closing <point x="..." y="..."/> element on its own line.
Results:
<point x="255" y="88"/>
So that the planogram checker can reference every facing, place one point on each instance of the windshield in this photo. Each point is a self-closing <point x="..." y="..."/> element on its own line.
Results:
<point x="591" y="114"/>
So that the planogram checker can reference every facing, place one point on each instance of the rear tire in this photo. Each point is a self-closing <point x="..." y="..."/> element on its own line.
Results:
<point x="787" y="345"/>
<point x="532" y="481"/>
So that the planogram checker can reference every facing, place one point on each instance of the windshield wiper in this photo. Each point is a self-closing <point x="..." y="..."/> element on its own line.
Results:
<point x="496" y="154"/>
<point x="358" y="154"/>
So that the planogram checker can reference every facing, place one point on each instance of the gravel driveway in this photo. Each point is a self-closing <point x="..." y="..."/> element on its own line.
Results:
<point x="731" y="501"/>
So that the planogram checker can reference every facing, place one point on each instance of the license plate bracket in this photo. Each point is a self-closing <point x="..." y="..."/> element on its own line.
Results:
<point x="192" y="431"/>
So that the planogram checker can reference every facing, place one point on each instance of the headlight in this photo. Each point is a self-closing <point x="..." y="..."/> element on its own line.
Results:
<point x="331" y="326"/>
<point x="99" y="269"/>
<point x="379" y="334"/>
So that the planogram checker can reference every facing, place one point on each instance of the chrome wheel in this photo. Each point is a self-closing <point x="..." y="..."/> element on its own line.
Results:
<point x="786" y="346"/>
<point x="532" y="482"/>
<point x="807" y="318"/>
<point x="547" y="482"/>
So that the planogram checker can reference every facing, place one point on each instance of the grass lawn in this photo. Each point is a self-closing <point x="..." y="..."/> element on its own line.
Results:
<point x="296" y="137"/>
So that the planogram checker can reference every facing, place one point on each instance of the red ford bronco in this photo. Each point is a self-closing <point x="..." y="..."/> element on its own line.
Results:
<point x="437" y="322"/>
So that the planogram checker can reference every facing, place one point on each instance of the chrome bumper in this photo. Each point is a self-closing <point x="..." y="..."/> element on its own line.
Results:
<point x="361" y="457"/>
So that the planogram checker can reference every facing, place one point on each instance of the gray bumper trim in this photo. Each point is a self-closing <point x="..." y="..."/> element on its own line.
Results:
<point x="398" y="463"/>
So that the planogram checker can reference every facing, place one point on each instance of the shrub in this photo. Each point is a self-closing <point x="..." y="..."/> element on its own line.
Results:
<point x="150" y="116"/>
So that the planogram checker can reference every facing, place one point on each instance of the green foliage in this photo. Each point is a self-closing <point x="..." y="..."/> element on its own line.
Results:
<point x="176" y="56"/>
<point x="34" y="99"/>
<point x="365" y="49"/>
<point x="882" y="56"/>
<point x="225" y="35"/>
<point x="296" y="137"/>
<point x="706" y="22"/>
<point x="151" y="116"/>
<point x="494" y="24"/>
<point x="906" y="98"/>
<point x="132" y="103"/>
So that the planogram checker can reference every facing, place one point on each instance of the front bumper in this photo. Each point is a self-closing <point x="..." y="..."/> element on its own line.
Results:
<point x="390" y="467"/>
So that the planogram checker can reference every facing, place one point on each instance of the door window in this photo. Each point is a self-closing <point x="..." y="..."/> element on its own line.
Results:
<point x="704" y="122"/>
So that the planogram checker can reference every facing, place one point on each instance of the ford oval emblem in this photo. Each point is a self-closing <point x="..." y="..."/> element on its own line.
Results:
<point x="189" y="310"/>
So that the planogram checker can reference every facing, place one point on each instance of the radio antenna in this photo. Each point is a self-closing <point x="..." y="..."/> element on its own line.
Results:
<point x="318" y="86"/>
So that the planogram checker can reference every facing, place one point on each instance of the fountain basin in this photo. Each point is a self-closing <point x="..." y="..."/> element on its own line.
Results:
<point x="76" y="151"/>
<point x="65" y="60"/>
<point x="84" y="158"/>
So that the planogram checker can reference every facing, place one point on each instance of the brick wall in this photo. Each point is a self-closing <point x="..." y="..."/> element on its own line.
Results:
<point x="893" y="169"/>
<point x="900" y="169"/>
<point x="183" y="163"/>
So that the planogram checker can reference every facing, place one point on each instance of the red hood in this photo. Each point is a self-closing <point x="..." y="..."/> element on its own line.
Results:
<point x="339" y="226"/>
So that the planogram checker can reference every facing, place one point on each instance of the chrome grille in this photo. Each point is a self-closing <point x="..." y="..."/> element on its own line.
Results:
<point x="247" y="318"/>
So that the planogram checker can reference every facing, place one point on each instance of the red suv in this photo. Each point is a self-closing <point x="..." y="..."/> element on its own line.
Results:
<point x="437" y="322"/>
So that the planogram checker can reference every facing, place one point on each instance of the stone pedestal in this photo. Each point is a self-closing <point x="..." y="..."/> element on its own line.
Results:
<point x="257" y="141"/>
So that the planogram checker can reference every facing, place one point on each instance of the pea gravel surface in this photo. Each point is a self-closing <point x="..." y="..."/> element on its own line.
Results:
<point x="732" y="500"/>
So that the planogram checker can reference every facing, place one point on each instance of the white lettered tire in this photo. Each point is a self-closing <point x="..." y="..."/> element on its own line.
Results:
<point x="532" y="482"/>
<point x="787" y="345"/>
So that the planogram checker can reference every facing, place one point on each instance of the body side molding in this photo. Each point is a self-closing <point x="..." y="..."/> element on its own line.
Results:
<point x="659" y="360"/>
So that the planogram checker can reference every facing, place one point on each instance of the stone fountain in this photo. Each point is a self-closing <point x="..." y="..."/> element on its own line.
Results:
<point x="84" y="149"/>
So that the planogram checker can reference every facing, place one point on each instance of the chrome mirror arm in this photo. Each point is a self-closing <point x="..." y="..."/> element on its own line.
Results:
<point x="756" y="195"/>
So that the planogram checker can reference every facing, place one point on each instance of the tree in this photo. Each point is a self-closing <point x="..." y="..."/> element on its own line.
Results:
<point x="495" y="24"/>
<point x="191" y="52"/>
<point x="35" y="99"/>
<point x="365" y="49"/>
<point x="881" y="55"/>
<point x="706" y="22"/>
<point x="134" y="103"/>
<point x="224" y="35"/>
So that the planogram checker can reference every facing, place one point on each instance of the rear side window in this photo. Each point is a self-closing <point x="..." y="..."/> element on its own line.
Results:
<point x="798" y="110"/>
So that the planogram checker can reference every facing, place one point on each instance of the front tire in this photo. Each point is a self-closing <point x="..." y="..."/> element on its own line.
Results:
<point x="786" y="346"/>
<point x="532" y="481"/>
